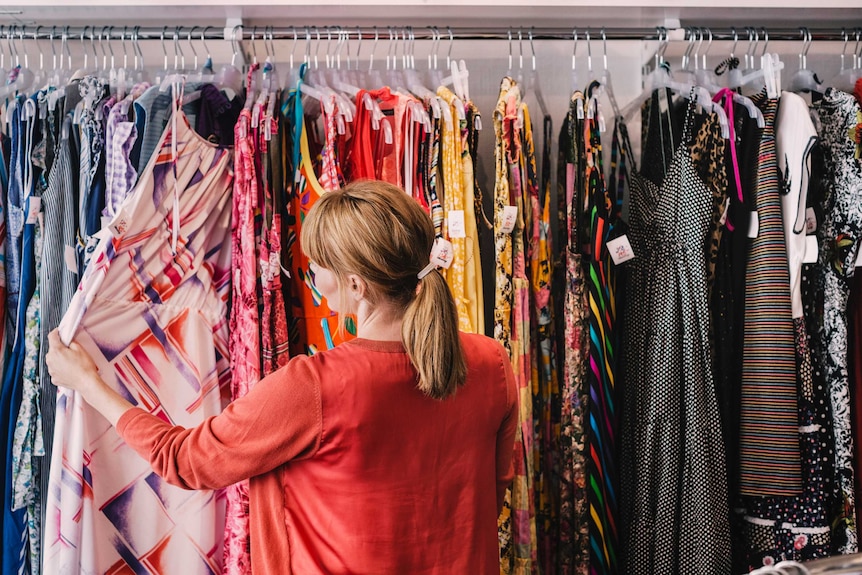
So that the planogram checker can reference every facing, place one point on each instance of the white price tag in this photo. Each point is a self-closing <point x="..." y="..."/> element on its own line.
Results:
<point x="120" y="223"/>
<point x="455" y="219"/>
<point x="811" y="250"/>
<point x="70" y="256"/>
<point x="810" y="221"/>
<point x="34" y="206"/>
<point x="621" y="250"/>
<point x="753" y="225"/>
<point x="441" y="253"/>
<point x="510" y="218"/>
<point x="859" y="258"/>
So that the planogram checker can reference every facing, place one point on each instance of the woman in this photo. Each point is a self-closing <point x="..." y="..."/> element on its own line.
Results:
<point x="390" y="453"/>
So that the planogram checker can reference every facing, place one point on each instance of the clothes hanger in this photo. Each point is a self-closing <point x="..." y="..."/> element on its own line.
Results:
<point x="534" y="78"/>
<point x="847" y="77"/>
<point x="575" y="86"/>
<point x="769" y="75"/>
<point x="229" y="78"/>
<point x="707" y="79"/>
<point x="804" y="80"/>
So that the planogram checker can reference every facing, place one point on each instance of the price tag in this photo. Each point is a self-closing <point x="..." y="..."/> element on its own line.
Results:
<point x="120" y="223"/>
<point x="811" y="250"/>
<point x="70" y="256"/>
<point x="34" y="206"/>
<point x="859" y="258"/>
<point x="509" y="217"/>
<point x="441" y="253"/>
<point x="753" y="225"/>
<point x="621" y="250"/>
<point x="455" y="219"/>
<point x="810" y="221"/>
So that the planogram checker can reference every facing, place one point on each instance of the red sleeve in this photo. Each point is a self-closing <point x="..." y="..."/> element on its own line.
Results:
<point x="280" y="419"/>
<point x="506" y="433"/>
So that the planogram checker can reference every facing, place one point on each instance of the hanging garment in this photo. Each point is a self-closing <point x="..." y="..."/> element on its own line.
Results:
<point x="601" y="373"/>
<point x="314" y="327"/>
<point x="275" y="344"/>
<point x="15" y="550"/>
<point x="503" y="295"/>
<point x="839" y="236"/>
<point x="574" y="544"/>
<point x="244" y="340"/>
<point x="27" y="438"/>
<point x="546" y="395"/>
<point x="796" y="528"/>
<point x="152" y="312"/>
<point x="673" y="491"/>
<point x="768" y="433"/>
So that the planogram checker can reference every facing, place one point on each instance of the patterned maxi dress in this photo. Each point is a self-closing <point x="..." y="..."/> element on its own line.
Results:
<point x="152" y="312"/>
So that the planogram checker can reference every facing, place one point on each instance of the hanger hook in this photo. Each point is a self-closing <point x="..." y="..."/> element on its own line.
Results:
<point x="204" y="42"/>
<point x="765" y="33"/>
<point x="109" y="37"/>
<point x="735" y="41"/>
<point x="510" y="48"/>
<point x="574" y="48"/>
<point x="373" y="49"/>
<point x="53" y="50"/>
<point x="708" y="46"/>
<point x="234" y="43"/>
<point x="604" y="49"/>
<point x="39" y="47"/>
<point x="293" y="46"/>
<point x="451" y="42"/>
<point x="532" y="48"/>
<point x="66" y="46"/>
<point x="589" y="53"/>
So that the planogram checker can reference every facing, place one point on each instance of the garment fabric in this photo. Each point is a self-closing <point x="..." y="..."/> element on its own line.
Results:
<point x="152" y="312"/>
<point x="574" y="548"/>
<point x="60" y="212"/>
<point x="673" y="491"/>
<point x="768" y="435"/>
<point x="602" y="369"/>
<point x="838" y="237"/>
<point x="245" y="335"/>
<point x="340" y="460"/>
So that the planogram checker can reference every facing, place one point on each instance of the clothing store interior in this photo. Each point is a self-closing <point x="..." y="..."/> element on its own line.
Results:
<point x="655" y="208"/>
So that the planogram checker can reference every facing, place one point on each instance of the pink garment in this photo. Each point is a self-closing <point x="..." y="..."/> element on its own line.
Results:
<point x="151" y="312"/>
<point x="245" y="356"/>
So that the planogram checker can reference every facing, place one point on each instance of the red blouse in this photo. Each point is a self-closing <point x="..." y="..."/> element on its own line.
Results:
<point x="352" y="468"/>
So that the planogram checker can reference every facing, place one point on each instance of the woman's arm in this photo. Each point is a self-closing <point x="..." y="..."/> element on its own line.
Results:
<point x="280" y="419"/>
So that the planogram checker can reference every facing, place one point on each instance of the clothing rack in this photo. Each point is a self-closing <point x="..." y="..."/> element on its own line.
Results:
<point x="111" y="33"/>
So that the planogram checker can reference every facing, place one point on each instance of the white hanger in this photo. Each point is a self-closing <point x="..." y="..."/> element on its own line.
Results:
<point x="804" y="80"/>
<point x="847" y="77"/>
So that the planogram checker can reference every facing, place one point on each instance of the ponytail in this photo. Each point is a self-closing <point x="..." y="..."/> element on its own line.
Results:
<point x="429" y="331"/>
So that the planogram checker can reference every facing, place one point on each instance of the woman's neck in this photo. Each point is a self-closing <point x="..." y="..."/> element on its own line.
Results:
<point x="380" y="323"/>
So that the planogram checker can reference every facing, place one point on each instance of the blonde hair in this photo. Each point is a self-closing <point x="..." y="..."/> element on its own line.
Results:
<point x="376" y="231"/>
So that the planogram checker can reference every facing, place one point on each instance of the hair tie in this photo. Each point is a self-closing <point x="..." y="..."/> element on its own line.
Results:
<point x="427" y="270"/>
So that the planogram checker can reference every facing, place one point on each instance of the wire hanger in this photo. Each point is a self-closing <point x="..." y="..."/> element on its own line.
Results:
<point x="534" y="78"/>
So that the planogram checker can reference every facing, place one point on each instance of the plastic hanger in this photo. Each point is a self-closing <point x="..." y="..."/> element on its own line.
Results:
<point x="535" y="85"/>
<point x="847" y="77"/>
<point x="707" y="78"/>
<point x="804" y="80"/>
<point x="229" y="77"/>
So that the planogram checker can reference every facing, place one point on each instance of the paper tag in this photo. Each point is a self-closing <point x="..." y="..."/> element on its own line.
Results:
<point x="509" y="217"/>
<point x="859" y="258"/>
<point x="120" y="223"/>
<point x="455" y="219"/>
<point x="753" y="225"/>
<point x="621" y="250"/>
<point x="724" y="211"/>
<point x="441" y="253"/>
<point x="810" y="221"/>
<point x="34" y="206"/>
<point x="70" y="255"/>
<point x="811" y="250"/>
<point x="580" y="108"/>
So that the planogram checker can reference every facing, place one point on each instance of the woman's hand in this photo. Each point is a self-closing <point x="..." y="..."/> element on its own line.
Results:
<point x="72" y="367"/>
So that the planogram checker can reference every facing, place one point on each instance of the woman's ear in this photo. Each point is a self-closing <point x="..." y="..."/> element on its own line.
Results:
<point x="356" y="287"/>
